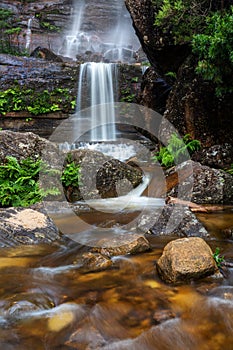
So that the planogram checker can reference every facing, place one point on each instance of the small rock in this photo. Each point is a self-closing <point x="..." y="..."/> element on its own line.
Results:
<point x="163" y="315"/>
<point x="185" y="259"/>
<point x="94" y="262"/>
<point x="122" y="245"/>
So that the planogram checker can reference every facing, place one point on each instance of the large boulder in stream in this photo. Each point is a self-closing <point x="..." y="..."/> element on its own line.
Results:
<point x="26" y="226"/>
<point x="101" y="176"/>
<point x="186" y="259"/>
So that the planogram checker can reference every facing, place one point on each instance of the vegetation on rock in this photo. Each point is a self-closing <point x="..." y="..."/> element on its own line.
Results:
<point x="208" y="29"/>
<point x="177" y="150"/>
<point x="16" y="99"/>
<point x="9" y="33"/>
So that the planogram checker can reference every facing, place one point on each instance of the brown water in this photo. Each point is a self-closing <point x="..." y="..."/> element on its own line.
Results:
<point x="47" y="303"/>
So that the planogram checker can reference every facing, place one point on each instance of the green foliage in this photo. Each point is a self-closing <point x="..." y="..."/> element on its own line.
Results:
<point x="230" y="171"/>
<point x="218" y="258"/>
<point x="17" y="99"/>
<point x="177" y="150"/>
<point x="19" y="182"/>
<point x="9" y="32"/>
<point x="214" y="49"/>
<point x="127" y="95"/>
<point x="71" y="175"/>
<point x="180" y="19"/>
<point x="51" y="27"/>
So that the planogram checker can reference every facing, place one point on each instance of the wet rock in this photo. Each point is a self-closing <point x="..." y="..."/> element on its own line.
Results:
<point x="193" y="108"/>
<point x="186" y="259"/>
<point x="122" y="245"/>
<point x="102" y="176"/>
<point x="86" y="338"/>
<point x="163" y="315"/>
<point x="173" y="219"/>
<point x="94" y="262"/>
<point x="26" y="226"/>
<point x="210" y="186"/>
<point x="46" y="54"/>
<point x="217" y="156"/>
<point x="23" y="145"/>
<point x="154" y="90"/>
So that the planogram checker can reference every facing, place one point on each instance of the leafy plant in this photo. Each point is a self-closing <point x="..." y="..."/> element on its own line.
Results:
<point x="230" y="171"/>
<point x="214" y="49"/>
<point x="71" y="175"/>
<point x="19" y="182"/>
<point x="176" y="150"/>
<point x="218" y="258"/>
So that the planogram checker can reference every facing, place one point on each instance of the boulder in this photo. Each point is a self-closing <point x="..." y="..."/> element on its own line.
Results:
<point x="216" y="156"/>
<point x="46" y="54"/>
<point x="186" y="259"/>
<point x="102" y="176"/>
<point x="26" y="226"/>
<point x="23" y="145"/>
<point x="210" y="186"/>
<point x="173" y="220"/>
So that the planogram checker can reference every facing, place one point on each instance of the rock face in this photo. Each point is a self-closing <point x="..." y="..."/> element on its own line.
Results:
<point x="211" y="186"/>
<point x="186" y="259"/>
<point x="26" y="226"/>
<point x="192" y="106"/>
<point x="217" y="156"/>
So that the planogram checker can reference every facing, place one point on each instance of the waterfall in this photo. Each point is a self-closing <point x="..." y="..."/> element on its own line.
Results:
<point x="97" y="83"/>
<point x="28" y="34"/>
<point x="75" y="39"/>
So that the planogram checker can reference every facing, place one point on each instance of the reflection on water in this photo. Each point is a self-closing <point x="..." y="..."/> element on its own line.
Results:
<point x="47" y="303"/>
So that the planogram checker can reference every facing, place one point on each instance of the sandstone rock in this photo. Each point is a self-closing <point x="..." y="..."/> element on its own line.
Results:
<point x="186" y="259"/>
<point x="46" y="54"/>
<point x="210" y="186"/>
<point x="122" y="245"/>
<point x="26" y="226"/>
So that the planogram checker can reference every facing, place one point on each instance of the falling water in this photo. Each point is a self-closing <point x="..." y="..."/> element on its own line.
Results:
<point x="74" y="38"/>
<point x="101" y="79"/>
<point x="28" y="34"/>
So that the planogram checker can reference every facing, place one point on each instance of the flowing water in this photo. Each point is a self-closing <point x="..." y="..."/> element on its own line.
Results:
<point x="98" y="85"/>
<point x="47" y="302"/>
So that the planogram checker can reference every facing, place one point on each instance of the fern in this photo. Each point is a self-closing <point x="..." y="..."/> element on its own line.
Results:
<point x="177" y="150"/>
<point x="19" y="182"/>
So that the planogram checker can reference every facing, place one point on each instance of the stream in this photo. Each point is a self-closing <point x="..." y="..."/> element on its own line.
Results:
<point x="48" y="303"/>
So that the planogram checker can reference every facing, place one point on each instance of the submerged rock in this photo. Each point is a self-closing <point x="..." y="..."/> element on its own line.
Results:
<point x="122" y="245"/>
<point x="26" y="226"/>
<point x="186" y="259"/>
<point x="94" y="262"/>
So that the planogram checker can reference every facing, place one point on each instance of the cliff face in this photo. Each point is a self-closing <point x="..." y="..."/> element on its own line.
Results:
<point x="192" y="106"/>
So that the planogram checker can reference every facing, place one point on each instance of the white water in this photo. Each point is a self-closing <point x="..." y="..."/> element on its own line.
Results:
<point x="99" y="81"/>
<point x="28" y="34"/>
<point x="131" y="202"/>
<point x="74" y="40"/>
